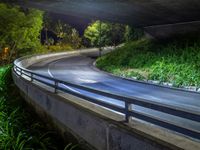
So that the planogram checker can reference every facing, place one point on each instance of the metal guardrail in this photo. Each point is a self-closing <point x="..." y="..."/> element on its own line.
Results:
<point x="128" y="101"/>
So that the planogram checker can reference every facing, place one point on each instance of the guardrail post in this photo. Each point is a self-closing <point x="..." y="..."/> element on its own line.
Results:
<point x="20" y="72"/>
<point x="127" y="109"/>
<point x="56" y="87"/>
<point x="31" y="77"/>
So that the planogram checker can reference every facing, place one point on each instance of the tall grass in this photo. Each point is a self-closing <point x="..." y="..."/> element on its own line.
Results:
<point x="20" y="130"/>
<point x="174" y="62"/>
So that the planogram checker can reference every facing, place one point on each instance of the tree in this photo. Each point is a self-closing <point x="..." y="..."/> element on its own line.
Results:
<point x="19" y="30"/>
<point x="98" y="33"/>
<point x="64" y="32"/>
<point x="132" y="33"/>
<point x="117" y="33"/>
<point x="75" y="39"/>
<point x="69" y="35"/>
<point x="102" y="33"/>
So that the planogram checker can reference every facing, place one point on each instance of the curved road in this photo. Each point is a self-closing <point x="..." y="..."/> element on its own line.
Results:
<point x="79" y="69"/>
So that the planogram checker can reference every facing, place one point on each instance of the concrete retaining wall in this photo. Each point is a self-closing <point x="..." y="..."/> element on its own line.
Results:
<point x="99" y="132"/>
<point x="30" y="60"/>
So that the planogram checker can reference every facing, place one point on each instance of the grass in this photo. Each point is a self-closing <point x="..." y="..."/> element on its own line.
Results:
<point x="47" y="49"/>
<point x="175" y="62"/>
<point x="42" y="49"/>
<point x="19" y="129"/>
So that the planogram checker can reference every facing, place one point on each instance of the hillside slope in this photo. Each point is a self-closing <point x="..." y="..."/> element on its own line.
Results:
<point x="177" y="63"/>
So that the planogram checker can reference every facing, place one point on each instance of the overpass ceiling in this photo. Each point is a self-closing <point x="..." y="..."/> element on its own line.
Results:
<point x="140" y="13"/>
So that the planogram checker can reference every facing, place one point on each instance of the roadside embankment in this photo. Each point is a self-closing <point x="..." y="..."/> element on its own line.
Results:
<point x="171" y="64"/>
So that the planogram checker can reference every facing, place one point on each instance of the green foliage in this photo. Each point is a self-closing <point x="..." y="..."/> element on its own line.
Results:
<point x="19" y="130"/>
<point x="19" y="30"/>
<point x="103" y="34"/>
<point x="59" y="27"/>
<point x="74" y="39"/>
<point x="67" y="34"/>
<point x="94" y="31"/>
<point x="32" y="26"/>
<point x="172" y="62"/>
<point x="116" y="32"/>
<point x="52" y="49"/>
<point x="132" y="33"/>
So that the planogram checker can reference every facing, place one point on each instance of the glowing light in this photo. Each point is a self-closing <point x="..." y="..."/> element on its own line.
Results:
<point x="6" y="50"/>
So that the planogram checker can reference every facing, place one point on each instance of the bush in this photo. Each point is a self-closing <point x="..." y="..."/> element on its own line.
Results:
<point x="19" y="129"/>
<point x="170" y="62"/>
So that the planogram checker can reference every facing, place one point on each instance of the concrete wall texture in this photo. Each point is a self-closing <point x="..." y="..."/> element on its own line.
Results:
<point x="99" y="132"/>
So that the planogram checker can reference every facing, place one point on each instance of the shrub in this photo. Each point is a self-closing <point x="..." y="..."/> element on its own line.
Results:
<point x="172" y="62"/>
<point x="19" y="129"/>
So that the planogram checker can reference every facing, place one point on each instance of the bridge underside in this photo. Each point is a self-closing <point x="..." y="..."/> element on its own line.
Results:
<point x="139" y="13"/>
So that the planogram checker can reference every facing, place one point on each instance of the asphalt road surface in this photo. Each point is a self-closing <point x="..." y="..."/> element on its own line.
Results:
<point x="79" y="69"/>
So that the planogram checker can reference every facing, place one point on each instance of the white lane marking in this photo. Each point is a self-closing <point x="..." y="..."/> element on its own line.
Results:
<point x="49" y="72"/>
<point x="71" y="89"/>
<point x="87" y="80"/>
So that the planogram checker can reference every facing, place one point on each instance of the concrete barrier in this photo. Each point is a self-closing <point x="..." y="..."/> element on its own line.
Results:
<point x="99" y="132"/>
<point x="27" y="61"/>
<point x="96" y="126"/>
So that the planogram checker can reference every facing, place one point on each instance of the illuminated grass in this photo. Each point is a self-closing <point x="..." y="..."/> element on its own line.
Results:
<point x="177" y="63"/>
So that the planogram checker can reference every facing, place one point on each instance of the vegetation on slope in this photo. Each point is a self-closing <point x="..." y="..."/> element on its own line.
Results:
<point x="19" y="129"/>
<point x="175" y="62"/>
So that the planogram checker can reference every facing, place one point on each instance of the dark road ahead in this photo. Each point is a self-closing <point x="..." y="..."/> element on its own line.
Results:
<point x="79" y="69"/>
